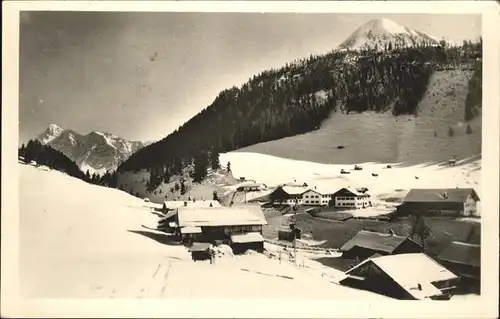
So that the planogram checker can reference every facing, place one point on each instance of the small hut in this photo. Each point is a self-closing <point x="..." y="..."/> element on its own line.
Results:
<point x="200" y="251"/>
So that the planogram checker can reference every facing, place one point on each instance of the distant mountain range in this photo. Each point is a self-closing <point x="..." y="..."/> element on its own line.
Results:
<point x="384" y="33"/>
<point x="96" y="152"/>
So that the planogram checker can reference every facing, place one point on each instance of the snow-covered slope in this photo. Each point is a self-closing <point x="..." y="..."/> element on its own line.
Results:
<point x="381" y="137"/>
<point x="379" y="33"/>
<point x="96" y="152"/>
<point x="74" y="248"/>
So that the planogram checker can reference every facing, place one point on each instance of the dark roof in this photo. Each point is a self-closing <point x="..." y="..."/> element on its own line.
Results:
<point x="169" y="215"/>
<point x="462" y="253"/>
<point x="453" y="195"/>
<point x="375" y="241"/>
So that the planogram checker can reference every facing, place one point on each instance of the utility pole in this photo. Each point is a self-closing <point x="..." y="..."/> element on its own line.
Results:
<point x="294" y="233"/>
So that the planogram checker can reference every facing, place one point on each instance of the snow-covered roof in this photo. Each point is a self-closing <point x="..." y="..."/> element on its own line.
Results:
<point x="313" y="190"/>
<point x="326" y="189"/>
<point x="174" y="204"/>
<point x="351" y="190"/>
<point x="295" y="190"/>
<point x="219" y="216"/>
<point x="375" y="241"/>
<point x="190" y="230"/>
<point x="410" y="270"/>
<point x="455" y="195"/>
<point x="199" y="247"/>
<point x="250" y="184"/>
<point x="247" y="238"/>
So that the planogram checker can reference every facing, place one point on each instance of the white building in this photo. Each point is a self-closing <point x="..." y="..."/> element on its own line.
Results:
<point x="351" y="198"/>
<point x="312" y="197"/>
<point x="326" y="194"/>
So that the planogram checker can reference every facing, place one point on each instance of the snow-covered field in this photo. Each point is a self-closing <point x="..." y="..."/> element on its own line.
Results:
<point x="75" y="243"/>
<point x="390" y="182"/>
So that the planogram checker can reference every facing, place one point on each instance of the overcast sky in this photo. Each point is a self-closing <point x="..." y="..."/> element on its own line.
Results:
<point x="141" y="75"/>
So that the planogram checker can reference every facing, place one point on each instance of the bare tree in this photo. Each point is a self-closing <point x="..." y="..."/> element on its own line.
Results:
<point x="420" y="228"/>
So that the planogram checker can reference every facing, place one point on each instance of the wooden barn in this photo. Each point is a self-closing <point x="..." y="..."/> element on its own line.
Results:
<point x="365" y="244"/>
<point x="350" y="198"/>
<point x="464" y="260"/>
<point x="239" y="226"/>
<point x="413" y="276"/>
<point x="442" y="202"/>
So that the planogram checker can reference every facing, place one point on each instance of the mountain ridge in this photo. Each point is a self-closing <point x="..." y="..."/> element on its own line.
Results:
<point x="96" y="152"/>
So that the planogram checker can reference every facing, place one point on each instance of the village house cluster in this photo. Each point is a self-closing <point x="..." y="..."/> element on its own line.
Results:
<point x="384" y="263"/>
<point x="317" y="196"/>
<point x="429" y="202"/>
<point x="396" y="266"/>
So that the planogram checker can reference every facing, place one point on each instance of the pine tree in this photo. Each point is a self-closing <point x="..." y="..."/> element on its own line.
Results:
<point x="215" y="196"/>
<point x="183" y="187"/>
<point x="420" y="228"/>
<point x="215" y="160"/>
<point x="22" y="150"/>
<point x="200" y="168"/>
<point x="228" y="166"/>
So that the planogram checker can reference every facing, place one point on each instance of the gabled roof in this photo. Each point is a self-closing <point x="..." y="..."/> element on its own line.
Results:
<point x="375" y="241"/>
<point x="326" y="189"/>
<point x="350" y="190"/>
<point x="410" y="270"/>
<point x="219" y="216"/>
<point x="462" y="253"/>
<point x="453" y="195"/>
<point x="295" y="190"/>
<point x="313" y="190"/>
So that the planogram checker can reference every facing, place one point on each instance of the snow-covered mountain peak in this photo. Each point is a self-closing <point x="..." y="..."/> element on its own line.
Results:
<point x="383" y="25"/>
<point x="96" y="151"/>
<point x="384" y="33"/>
<point x="55" y="127"/>
<point x="52" y="131"/>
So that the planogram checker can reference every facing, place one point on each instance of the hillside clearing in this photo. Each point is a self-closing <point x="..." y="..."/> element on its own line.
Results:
<point x="381" y="137"/>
